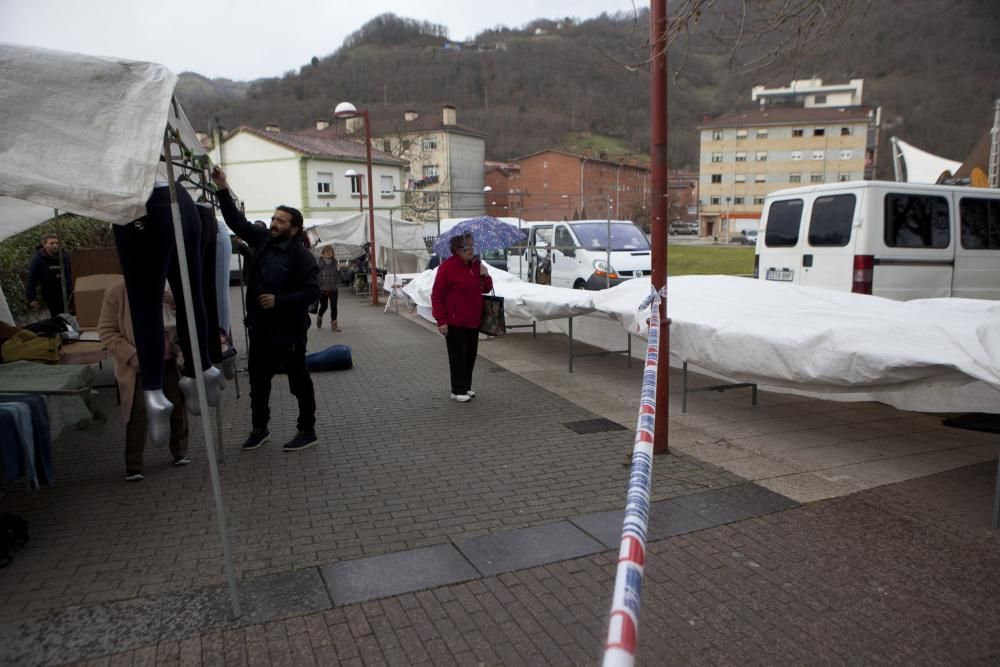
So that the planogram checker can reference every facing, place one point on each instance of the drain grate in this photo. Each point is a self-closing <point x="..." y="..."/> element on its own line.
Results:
<point x="601" y="425"/>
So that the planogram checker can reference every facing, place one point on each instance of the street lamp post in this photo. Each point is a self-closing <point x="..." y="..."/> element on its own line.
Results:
<point x="348" y="110"/>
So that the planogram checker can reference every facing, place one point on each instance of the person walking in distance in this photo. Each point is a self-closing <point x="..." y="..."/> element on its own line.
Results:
<point x="457" y="307"/>
<point x="329" y="287"/>
<point x="46" y="270"/>
<point x="282" y="281"/>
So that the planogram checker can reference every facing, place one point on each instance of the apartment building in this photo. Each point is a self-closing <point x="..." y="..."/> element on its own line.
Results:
<point x="445" y="173"/>
<point x="746" y="155"/>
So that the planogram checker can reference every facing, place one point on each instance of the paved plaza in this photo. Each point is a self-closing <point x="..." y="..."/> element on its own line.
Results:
<point x="425" y="531"/>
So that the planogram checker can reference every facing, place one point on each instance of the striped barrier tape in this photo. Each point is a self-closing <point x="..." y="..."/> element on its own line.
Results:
<point x="623" y="626"/>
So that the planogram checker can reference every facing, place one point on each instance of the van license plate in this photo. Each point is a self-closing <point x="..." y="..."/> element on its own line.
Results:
<point x="784" y="275"/>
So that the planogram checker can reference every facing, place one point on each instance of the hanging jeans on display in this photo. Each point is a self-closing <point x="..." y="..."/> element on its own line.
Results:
<point x="148" y="256"/>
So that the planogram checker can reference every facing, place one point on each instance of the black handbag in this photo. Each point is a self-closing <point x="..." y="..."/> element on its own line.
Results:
<point x="492" y="322"/>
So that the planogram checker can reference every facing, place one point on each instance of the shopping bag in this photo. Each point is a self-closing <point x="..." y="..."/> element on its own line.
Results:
<point x="493" y="323"/>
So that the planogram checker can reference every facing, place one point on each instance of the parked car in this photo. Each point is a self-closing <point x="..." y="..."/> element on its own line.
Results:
<point x="681" y="227"/>
<point x="749" y="237"/>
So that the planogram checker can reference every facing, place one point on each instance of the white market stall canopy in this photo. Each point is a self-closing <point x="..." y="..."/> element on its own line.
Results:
<point x="399" y="243"/>
<point x="919" y="165"/>
<point x="80" y="134"/>
<point x="931" y="355"/>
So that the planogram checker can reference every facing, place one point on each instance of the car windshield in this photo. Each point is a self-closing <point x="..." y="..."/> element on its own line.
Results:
<point x="594" y="236"/>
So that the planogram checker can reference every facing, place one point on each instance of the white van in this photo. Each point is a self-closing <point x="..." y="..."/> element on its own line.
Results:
<point x="577" y="254"/>
<point x="897" y="240"/>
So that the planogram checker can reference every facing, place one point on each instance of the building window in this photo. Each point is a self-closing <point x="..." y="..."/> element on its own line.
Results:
<point x="740" y="178"/>
<point x="759" y="200"/>
<point x="429" y="144"/>
<point x="843" y="177"/>
<point x="819" y="131"/>
<point x="430" y="170"/>
<point x="716" y="135"/>
<point x="760" y="178"/>
<point x="738" y="201"/>
<point x="819" y="99"/>
<point x="845" y="131"/>
<point x="846" y="154"/>
<point x="796" y="155"/>
<point x="762" y="133"/>
<point x="761" y="156"/>
<point x="818" y="155"/>
<point x="715" y="201"/>
<point x="386" y="186"/>
<point x="386" y="146"/>
<point x="716" y="178"/>
<point x="716" y="157"/>
<point x="797" y="132"/>
<point x="741" y="156"/>
<point x="324" y="183"/>
<point x="405" y="145"/>
<point x="741" y="134"/>
<point x="815" y="178"/>
<point x="795" y="178"/>
<point x="545" y="164"/>
<point x="355" y="185"/>
<point x="430" y="197"/>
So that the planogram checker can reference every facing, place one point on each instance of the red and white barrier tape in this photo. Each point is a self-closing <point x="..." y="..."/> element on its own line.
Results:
<point x="623" y="627"/>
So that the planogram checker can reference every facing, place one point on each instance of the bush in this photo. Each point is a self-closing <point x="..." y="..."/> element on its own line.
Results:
<point x="16" y="252"/>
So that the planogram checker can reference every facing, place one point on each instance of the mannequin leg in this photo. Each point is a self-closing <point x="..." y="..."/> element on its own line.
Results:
<point x="144" y="251"/>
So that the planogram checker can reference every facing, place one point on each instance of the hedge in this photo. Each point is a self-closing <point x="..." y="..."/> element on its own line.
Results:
<point x="16" y="252"/>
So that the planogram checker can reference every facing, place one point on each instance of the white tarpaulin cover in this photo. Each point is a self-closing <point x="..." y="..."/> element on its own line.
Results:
<point x="79" y="133"/>
<point x="404" y="236"/>
<point x="937" y="355"/>
<point x="921" y="166"/>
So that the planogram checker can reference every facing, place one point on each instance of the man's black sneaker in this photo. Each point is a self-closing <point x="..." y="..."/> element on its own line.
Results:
<point x="257" y="437"/>
<point x="302" y="440"/>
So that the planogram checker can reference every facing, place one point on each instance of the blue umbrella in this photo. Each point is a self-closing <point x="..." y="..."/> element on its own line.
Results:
<point x="487" y="232"/>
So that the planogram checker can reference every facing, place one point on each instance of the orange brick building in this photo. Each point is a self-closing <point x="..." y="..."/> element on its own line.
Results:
<point x="557" y="185"/>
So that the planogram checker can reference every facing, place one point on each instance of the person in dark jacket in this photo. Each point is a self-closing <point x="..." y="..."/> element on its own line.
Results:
<point x="282" y="281"/>
<point x="46" y="270"/>
<point x="457" y="307"/>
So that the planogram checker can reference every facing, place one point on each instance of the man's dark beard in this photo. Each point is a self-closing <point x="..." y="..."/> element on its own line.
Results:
<point x="278" y="237"/>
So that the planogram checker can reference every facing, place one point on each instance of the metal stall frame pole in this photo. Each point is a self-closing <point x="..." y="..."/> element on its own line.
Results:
<point x="63" y="259"/>
<point x="206" y="426"/>
<point x="392" y="263"/>
<point x="607" y="272"/>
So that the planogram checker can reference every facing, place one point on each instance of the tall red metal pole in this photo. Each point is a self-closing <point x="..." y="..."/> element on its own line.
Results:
<point x="372" y="255"/>
<point x="658" y="219"/>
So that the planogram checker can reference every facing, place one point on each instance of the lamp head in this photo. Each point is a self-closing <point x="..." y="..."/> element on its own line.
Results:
<point x="345" y="110"/>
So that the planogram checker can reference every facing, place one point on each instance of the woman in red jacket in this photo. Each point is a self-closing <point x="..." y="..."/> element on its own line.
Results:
<point x="457" y="307"/>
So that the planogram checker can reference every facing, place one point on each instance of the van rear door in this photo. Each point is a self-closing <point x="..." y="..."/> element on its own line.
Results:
<point x="828" y="256"/>
<point x="916" y="254"/>
<point x="781" y="247"/>
<point x="977" y="255"/>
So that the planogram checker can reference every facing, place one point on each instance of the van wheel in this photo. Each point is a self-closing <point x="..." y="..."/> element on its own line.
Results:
<point x="580" y="284"/>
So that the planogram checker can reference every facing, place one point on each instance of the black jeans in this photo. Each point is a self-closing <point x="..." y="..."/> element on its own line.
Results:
<point x="328" y="298"/>
<point x="463" y="346"/>
<point x="264" y="359"/>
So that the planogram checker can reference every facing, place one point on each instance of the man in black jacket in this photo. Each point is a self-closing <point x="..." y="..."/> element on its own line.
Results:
<point x="46" y="271"/>
<point x="282" y="280"/>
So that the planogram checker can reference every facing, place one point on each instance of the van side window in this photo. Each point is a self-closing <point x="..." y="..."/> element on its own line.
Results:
<point x="783" y="221"/>
<point x="980" y="223"/>
<point x="830" y="224"/>
<point x="916" y="221"/>
<point x="563" y="239"/>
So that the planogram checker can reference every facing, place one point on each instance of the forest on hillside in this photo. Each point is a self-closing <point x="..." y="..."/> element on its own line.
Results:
<point x="933" y="66"/>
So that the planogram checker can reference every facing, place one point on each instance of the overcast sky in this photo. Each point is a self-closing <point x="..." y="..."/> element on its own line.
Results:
<point x="252" y="38"/>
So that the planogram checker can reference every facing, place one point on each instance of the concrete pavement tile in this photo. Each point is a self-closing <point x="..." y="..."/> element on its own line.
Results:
<point x="755" y="468"/>
<point x="735" y="502"/>
<point x="527" y="547"/>
<point x="807" y="487"/>
<point x="392" y="574"/>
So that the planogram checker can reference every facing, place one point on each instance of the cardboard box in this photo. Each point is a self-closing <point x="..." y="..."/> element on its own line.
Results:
<point x="88" y="293"/>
